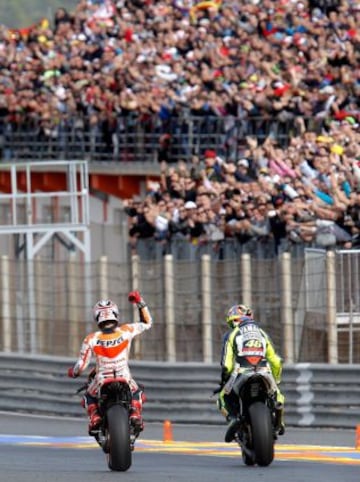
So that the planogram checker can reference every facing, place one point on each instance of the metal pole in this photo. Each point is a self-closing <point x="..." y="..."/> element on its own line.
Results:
<point x="286" y="307"/>
<point x="206" y="308"/>
<point x="169" y="309"/>
<point x="14" y="195"/>
<point x="29" y="214"/>
<point x="72" y="188"/>
<point x="331" y="308"/>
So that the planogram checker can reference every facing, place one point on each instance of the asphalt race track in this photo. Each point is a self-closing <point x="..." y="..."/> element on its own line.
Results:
<point x="58" y="450"/>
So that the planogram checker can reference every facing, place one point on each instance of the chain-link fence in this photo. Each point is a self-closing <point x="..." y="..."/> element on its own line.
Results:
<point x="303" y="303"/>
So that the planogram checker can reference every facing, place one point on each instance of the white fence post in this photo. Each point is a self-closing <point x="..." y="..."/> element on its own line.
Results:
<point x="74" y="342"/>
<point x="169" y="309"/>
<point x="206" y="308"/>
<point x="246" y="279"/>
<point x="135" y="286"/>
<point x="103" y="277"/>
<point x="5" y="304"/>
<point x="32" y="315"/>
<point x="42" y="322"/>
<point x="331" y="307"/>
<point x="287" y="321"/>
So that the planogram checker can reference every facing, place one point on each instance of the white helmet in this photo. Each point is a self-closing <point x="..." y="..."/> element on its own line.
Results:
<point x="105" y="310"/>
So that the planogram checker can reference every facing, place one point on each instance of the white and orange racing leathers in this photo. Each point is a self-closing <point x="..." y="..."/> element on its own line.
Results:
<point x="111" y="352"/>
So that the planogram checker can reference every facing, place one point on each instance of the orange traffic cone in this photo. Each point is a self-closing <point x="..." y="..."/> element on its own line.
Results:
<point x="167" y="431"/>
<point x="357" y="437"/>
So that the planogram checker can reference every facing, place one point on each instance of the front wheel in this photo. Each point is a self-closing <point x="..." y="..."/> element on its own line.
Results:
<point x="262" y="433"/>
<point x="118" y="434"/>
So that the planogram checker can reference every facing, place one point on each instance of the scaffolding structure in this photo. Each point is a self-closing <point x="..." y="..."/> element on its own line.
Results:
<point x="23" y="194"/>
<point x="37" y="234"/>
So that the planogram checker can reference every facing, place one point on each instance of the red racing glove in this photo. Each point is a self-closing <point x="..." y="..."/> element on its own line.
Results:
<point x="134" y="297"/>
<point x="71" y="373"/>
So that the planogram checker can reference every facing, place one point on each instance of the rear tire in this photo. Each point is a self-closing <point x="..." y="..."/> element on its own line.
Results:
<point x="119" y="456"/>
<point x="262" y="433"/>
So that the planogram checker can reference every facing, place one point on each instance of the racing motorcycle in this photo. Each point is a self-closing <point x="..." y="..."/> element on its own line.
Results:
<point x="252" y="389"/>
<point x="115" y="435"/>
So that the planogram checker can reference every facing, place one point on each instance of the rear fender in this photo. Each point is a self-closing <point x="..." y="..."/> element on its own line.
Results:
<point x="114" y="391"/>
<point x="250" y="376"/>
<point x="253" y="386"/>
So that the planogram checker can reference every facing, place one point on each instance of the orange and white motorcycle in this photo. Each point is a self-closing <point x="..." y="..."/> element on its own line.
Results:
<point x="115" y="434"/>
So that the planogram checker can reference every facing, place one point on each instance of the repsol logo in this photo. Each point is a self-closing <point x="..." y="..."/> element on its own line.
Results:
<point x="109" y="343"/>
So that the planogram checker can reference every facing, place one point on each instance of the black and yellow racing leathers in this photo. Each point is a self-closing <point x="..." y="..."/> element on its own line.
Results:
<point x="237" y="343"/>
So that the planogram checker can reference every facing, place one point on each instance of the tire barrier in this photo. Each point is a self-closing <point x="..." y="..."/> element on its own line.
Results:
<point x="317" y="395"/>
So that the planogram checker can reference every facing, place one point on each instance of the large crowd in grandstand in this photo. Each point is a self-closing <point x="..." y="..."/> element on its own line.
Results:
<point x="297" y="61"/>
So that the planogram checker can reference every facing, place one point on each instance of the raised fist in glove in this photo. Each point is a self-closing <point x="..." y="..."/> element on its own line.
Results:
<point x="71" y="373"/>
<point x="134" y="297"/>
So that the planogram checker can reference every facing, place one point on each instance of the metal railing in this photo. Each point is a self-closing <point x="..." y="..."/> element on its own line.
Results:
<point x="317" y="395"/>
<point x="134" y="137"/>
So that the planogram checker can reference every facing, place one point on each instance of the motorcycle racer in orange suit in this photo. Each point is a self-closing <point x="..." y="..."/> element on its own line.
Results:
<point x="110" y="346"/>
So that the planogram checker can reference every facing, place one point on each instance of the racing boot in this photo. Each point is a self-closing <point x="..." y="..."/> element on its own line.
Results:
<point x="280" y="417"/>
<point x="282" y="424"/>
<point x="233" y="425"/>
<point x="279" y="407"/>
<point x="94" y="418"/>
<point x="136" y="419"/>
